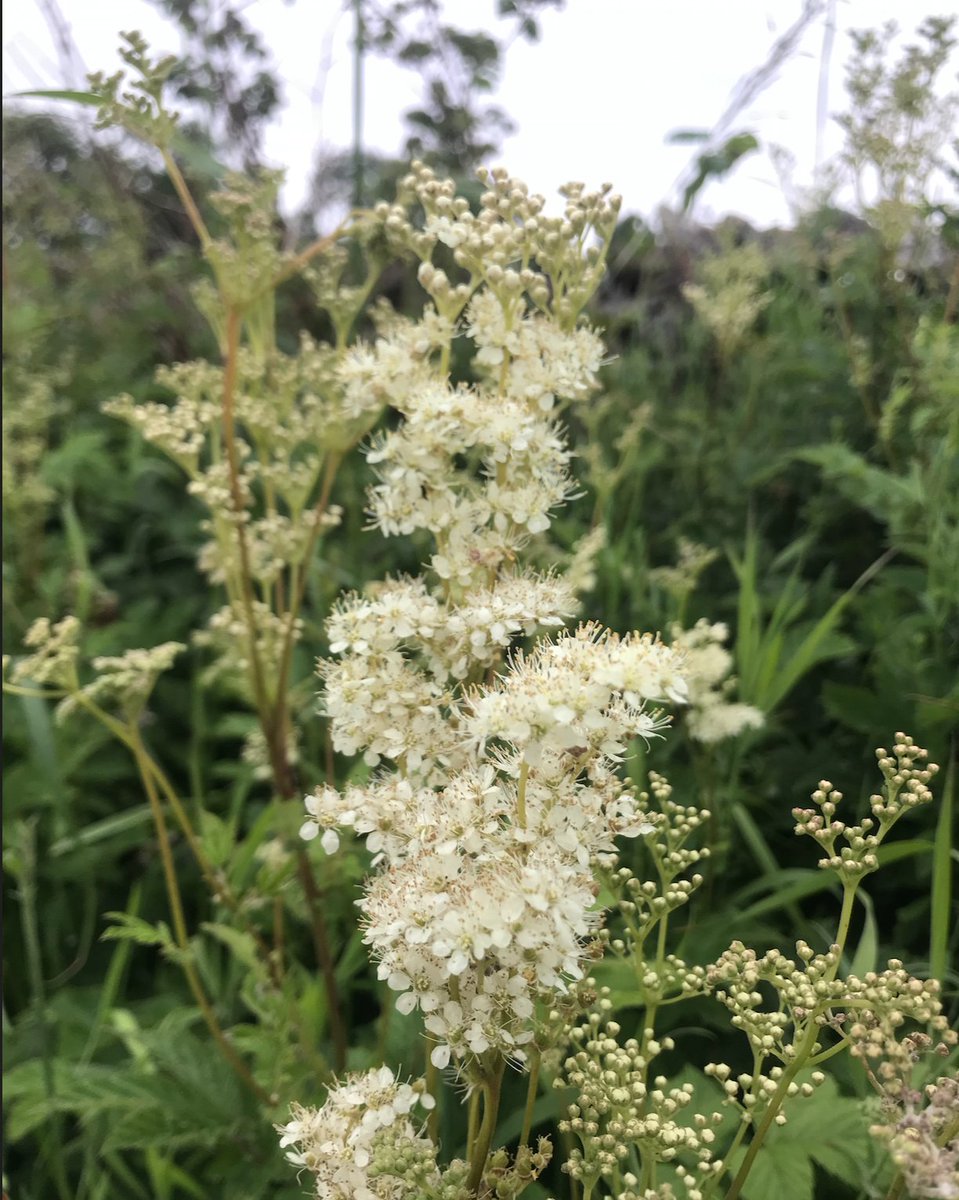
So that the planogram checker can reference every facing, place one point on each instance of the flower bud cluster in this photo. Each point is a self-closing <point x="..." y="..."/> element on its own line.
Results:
<point x="752" y="1092"/>
<point x="680" y="580"/>
<point x="363" y="1144"/>
<point x="643" y="904"/>
<point x="139" y="108"/>
<point x="227" y="635"/>
<point x="53" y="661"/>
<point x="617" y="1110"/>
<point x="729" y="296"/>
<point x="126" y="681"/>
<point x="122" y="682"/>
<point x="512" y="243"/>
<point x="248" y="260"/>
<point x="918" y="1122"/>
<point x="505" y="1178"/>
<point x="26" y="424"/>
<point x="906" y="776"/>
<point x="775" y="999"/>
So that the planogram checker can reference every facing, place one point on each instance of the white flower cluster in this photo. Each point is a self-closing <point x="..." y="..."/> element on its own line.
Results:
<point x="482" y="467"/>
<point x="405" y="648"/>
<point x="712" y="716"/>
<point x="505" y="792"/>
<point x="485" y="902"/>
<point x="585" y="693"/>
<point x="126" y="681"/>
<point x="363" y="1119"/>
<point x="54" y="653"/>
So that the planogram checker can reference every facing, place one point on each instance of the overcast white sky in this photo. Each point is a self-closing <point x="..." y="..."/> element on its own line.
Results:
<point x="594" y="99"/>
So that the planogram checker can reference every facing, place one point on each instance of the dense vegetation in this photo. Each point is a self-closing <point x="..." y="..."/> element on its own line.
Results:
<point x="775" y="447"/>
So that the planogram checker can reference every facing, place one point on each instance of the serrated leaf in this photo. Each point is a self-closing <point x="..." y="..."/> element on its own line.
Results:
<point x="786" y="1173"/>
<point x="127" y="927"/>
<point x="825" y="1128"/>
<point x="87" y="1091"/>
<point x="217" y="837"/>
<point x="240" y="943"/>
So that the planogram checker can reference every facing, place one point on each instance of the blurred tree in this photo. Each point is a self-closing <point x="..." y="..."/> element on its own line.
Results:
<point x="224" y="71"/>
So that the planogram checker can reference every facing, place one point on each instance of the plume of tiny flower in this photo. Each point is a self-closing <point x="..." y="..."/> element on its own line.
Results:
<point x="485" y="905"/>
<point x="504" y="793"/>
<point x="363" y="1143"/>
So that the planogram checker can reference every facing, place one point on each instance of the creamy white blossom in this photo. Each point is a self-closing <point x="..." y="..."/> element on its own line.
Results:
<point x="337" y="1143"/>
<point x="712" y="715"/>
<point x="497" y="789"/>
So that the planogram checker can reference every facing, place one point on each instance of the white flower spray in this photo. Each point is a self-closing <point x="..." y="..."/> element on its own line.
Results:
<point x="497" y="790"/>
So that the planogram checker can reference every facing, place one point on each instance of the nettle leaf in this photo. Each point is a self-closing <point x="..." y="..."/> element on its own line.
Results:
<point x="785" y="1172"/>
<point x="240" y="943"/>
<point x="826" y="1130"/>
<point x="217" y="837"/>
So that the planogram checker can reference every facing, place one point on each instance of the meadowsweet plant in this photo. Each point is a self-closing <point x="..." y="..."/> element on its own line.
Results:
<point x="496" y="789"/>
<point x="504" y="863"/>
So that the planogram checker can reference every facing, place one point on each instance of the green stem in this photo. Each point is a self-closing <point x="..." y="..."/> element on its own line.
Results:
<point x="803" y="1051"/>
<point x="180" y="930"/>
<point x="849" y="890"/>
<point x="531" y="1091"/>
<point x="521" y="795"/>
<point x="186" y="199"/>
<point x="220" y="889"/>
<point x="277" y="733"/>
<point x="744" y="1123"/>
<point x="472" y="1122"/>
<point x="772" y="1108"/>
<point x="432" y="1080"/>
<point x="228" y="416"/>
<point x="492" y="1089"/>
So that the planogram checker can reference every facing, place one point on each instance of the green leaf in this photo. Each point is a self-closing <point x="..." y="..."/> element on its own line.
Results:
<point x="785" y="1172"/>
<point x="100" y="831"/>
<point x="127" y="927"/>
<point x="754" y="839"/>
<point x="113" y="978"/>
<point x="217" y="837"/>
<point x="774" y="653"/>
<point x="717" y="163"/>
<point x="827" y="1129"/>
<point x="905" y="849"/>
<point x="87" y="98"/>
<point x="682" y="137"/>
<point x="867" y="952"/>
<point x="812" y="881"/>
<point x="240" y="943"/>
